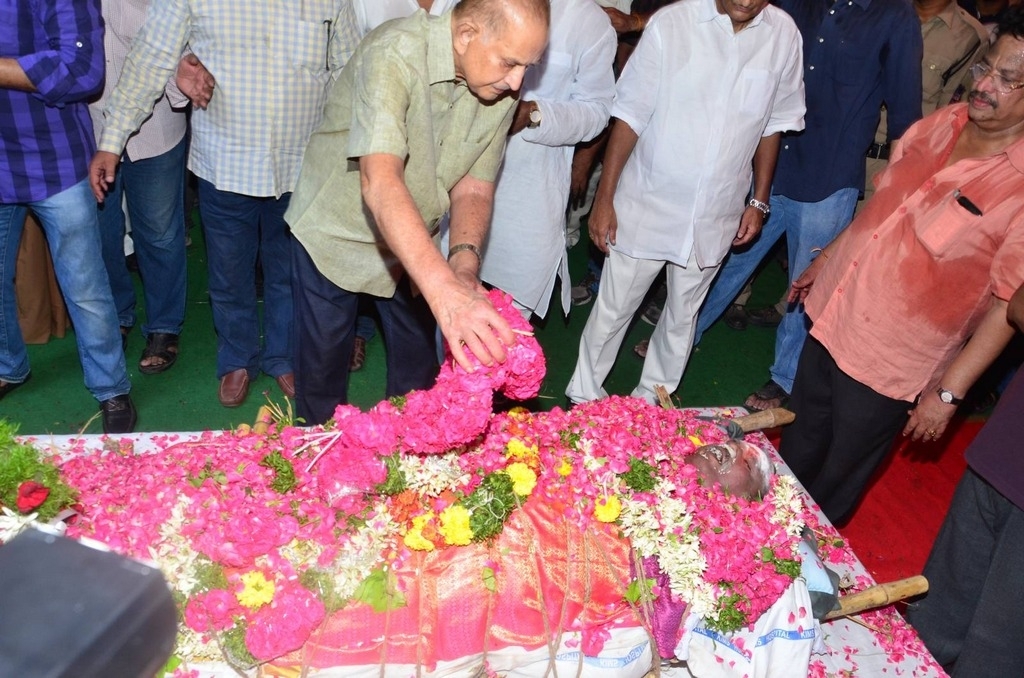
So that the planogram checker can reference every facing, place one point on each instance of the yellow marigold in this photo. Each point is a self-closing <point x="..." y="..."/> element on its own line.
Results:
<point x="455" y="525"/>
<point x="607" y="509"/>
<point x="414" y="538"/>
<point x="256" y="591"/>
<point x="695" y="440"/>
<point x="523" y="478"/>
<point x="565" y="467"/>
<point x="518" y="450"/>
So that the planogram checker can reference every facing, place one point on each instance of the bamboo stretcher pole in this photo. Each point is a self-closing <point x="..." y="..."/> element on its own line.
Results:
<point x="758" y="421"/>
<point x="879" y="595"/>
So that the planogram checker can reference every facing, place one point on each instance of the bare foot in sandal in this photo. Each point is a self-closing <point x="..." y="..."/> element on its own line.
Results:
<point x="160" y="353"/>
<point x="769" y="396"/>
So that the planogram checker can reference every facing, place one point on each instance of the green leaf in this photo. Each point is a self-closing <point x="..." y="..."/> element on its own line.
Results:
<point x="641" y="476"/>
<point x="395" y="481"/>
<point x="172" y="663"/>
<point x="790" y="568"/>
<point x="378" y="591"/>
<point x="284" y="472"/>
<point x="19" y="463"/>
<point x="729" y="617"/>
<point x="639" y="589"/>
<point x="490" y="505"/>
<point x="487" y="574"/>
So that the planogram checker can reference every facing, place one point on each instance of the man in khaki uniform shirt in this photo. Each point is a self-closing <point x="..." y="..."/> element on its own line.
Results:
<point x="414" y="127"/>
<point x="953" y="40"/>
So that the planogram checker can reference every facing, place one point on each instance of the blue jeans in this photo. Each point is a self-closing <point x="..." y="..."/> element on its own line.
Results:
<point x="237" y="228"/>
<point x="72" y="230"/>
<point x="808" y="226"/>
<point x="154" y="188"/>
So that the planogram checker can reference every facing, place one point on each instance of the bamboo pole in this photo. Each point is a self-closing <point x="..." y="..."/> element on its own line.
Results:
<point x="777" y="416"/>
<point x="879" y="595"/>
<point x="264" y="417"/>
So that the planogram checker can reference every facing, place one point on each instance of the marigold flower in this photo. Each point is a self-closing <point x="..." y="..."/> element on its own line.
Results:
<point x="523" y="478"/>
<point x="257" y="590"/>
<point x="564" y="468"/>
<point x="414" y="538"/>
<point x="695" y="440"/>
<point x="455" y="525"/>
<point x="519" y="451"/>
<point x="607" y="508"/>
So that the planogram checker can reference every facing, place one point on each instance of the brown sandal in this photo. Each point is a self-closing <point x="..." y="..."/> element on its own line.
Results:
<point x="358" y="355"/>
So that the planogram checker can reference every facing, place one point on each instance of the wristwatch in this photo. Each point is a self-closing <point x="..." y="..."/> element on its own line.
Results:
<point x="948" y="397"/>
<point x="762" y="207"/>
<point x="535" y="116"/>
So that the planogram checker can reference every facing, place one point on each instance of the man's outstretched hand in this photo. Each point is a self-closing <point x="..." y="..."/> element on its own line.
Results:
<point x="470" y="322"/>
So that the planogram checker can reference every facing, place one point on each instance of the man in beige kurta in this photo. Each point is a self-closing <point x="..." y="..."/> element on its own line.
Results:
<point x="414" y="127"/>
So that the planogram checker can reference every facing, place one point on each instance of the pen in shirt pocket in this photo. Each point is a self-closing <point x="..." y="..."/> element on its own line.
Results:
<point x="327" y="49"/>
<point x="966" y="203"/>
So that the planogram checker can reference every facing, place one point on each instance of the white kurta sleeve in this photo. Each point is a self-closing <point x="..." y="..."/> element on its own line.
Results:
<point x="788" y="112"/>
<point x="585" y="112"/>
<point x="636" y="92"/>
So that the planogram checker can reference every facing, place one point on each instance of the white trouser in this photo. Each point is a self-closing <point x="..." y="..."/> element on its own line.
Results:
<point x="624" y="283"/>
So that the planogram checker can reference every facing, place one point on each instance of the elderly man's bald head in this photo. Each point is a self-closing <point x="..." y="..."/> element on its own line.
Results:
<point x="494" y="14"/>
<point x="495" y="41"/>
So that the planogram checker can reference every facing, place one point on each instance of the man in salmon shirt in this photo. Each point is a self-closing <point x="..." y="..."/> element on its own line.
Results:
<point x="909" y="303"/>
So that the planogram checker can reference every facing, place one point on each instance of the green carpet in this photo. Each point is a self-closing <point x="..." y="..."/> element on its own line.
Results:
<point x="723" y="370"/>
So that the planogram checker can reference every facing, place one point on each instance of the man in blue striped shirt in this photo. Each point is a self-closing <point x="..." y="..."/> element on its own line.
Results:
<point x="51" y="61"/>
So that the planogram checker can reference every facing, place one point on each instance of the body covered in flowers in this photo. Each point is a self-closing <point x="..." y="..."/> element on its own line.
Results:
<point x="428" y="529"/>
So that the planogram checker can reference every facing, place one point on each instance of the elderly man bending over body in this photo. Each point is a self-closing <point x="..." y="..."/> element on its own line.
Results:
<point x="416" y="124"/>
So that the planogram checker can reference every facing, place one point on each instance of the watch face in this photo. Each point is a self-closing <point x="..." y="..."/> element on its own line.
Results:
<point x="945" y="396"/>
<point x="535" y="116"/>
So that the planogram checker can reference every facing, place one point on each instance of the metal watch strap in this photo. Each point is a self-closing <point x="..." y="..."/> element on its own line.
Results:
<point x="763" y="207"/>
<point x="455" y="249"/>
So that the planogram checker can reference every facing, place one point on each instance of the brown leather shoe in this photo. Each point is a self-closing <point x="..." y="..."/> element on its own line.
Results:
<point x="234" y="387"/>
<point x="287" y="384"/>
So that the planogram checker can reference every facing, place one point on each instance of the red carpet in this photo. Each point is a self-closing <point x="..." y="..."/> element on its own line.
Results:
<point x="893" y="529"/>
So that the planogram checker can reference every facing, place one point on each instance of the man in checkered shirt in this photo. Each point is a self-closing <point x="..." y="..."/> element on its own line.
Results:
<point x="271" y="66"/>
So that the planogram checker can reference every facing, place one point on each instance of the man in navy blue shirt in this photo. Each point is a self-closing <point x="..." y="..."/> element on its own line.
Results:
<point x="858" y="54"/>
<point x="51" y="62"/>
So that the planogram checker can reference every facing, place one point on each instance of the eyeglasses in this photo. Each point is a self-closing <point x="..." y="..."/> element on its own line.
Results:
<point x="980" y="70"/>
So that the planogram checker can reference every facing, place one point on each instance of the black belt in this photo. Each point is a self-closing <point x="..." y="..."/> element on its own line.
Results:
<point x="878" y="151"/>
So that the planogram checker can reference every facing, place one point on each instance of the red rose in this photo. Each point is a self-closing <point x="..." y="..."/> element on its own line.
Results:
<point x="30" y="495"/>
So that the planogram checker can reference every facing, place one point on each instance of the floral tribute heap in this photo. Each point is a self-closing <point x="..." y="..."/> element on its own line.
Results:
<point x="265" y="539"/>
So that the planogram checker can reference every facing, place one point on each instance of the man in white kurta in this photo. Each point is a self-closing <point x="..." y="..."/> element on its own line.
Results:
<point x="699" y="111"/>
<point x="570" y="95"/>
<point x="372" y="13"/>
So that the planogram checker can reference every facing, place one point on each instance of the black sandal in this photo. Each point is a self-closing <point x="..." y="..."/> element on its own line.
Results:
<point x="160" y="345"/>
<point x="771" y="395"/>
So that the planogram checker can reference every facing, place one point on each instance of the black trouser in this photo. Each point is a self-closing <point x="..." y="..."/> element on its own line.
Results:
<point x="325" y="331"/>
<point x="842" y="432"/>
<point x="972" y="613"/>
